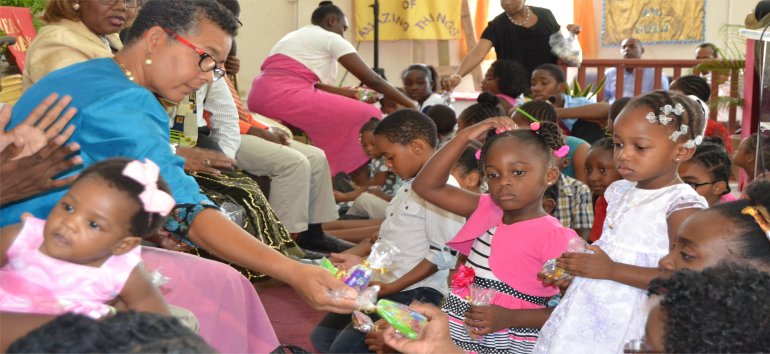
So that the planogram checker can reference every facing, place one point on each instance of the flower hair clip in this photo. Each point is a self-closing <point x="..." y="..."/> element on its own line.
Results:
<point x="694" y="142"/>
<point x="153" y="199"/>
<point x="683" y="129"/>
<point x="677" y="109"/>
<point x="662" y="118"/>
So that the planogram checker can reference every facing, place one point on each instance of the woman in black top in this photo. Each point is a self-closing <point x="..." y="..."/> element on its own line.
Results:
<point x="520" y="33"/>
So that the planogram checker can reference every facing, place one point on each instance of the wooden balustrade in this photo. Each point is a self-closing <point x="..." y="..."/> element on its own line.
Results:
<point x="675" y="66"/>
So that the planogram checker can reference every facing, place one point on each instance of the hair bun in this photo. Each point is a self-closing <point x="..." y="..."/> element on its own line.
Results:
<point x="488" y="98"/>
<point x="324" y="3"/>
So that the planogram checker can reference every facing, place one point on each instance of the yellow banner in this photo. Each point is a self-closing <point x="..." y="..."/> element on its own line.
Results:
<point x="408" y="19"/>
<point x="653" y="21"/>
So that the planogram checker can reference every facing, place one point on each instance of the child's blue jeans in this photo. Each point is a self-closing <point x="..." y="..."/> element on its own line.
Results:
<point x="335" y="332"/>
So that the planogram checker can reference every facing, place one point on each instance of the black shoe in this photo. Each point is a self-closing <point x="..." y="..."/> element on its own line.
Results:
<point x="309" y="254"/>
<point x="324" y="243"/>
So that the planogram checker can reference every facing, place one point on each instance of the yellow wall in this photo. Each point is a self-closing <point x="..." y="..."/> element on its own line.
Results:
<point x="266" y="21"/>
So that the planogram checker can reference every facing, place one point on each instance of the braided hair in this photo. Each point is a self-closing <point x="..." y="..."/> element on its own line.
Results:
<point x="692" y="116"/>
<point x="547" y="139"/>
<point x="542" y="110"/>
<point x="750" y="240"/>
<point x="486" y="106"/>
<point x="713" y="156"/>
<point x="143" y="223"/>
<point x="692" y="85"/>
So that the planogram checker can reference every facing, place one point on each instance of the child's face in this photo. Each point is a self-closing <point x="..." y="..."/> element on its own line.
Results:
<point x="743" y="156"/>
<point x="468" y="180"/>
<point x="544" y="85"/>
<point x="702" y="180"/>
<point x="517" y="176"/>
<point x="703" y="240"/>
<point x="489" y="83"/>
<point x="403" y="160"/>
<point x="89" y="224"/>
<point x="600" y="170"/>
<point x="367" y="143"/>
<point x="643" y="151"/>
<point x="417" y="85"/>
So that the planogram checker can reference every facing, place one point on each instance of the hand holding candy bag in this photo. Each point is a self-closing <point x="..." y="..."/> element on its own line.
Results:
<point x="551" y="272"/>
<point x="478" y="297"/>
<point x="379" y="259"/>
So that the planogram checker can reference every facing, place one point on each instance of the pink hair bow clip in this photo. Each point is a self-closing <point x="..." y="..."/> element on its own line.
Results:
<point x="561" y="152"/>
<point x="154" y="199"/>
<point x="478" y="154"/>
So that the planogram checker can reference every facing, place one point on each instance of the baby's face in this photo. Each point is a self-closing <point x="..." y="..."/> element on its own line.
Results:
<point x="88" y="223"/>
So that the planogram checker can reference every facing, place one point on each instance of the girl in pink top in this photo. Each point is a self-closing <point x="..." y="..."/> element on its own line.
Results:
<point x="708" y="172"/>
<point x="85" y="256"/>
<point x="508" y="235"/>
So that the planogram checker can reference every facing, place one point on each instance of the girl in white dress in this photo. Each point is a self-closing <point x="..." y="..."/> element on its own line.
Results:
<point x="606" y="304"/>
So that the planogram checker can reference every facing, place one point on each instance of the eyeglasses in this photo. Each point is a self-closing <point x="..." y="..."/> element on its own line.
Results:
<point x="207" y="62"/>
<point x="695" y="185"/>
<point x="129" y="3"/>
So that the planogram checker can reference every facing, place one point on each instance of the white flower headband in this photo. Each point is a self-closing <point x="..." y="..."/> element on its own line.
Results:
<point x="664" y="119"/>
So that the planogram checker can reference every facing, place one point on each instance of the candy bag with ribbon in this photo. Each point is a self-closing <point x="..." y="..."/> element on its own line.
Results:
<point x="379" y="259"/>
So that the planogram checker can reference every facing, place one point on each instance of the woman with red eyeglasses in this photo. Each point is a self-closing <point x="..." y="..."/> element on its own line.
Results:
<point x="173" y="48"/>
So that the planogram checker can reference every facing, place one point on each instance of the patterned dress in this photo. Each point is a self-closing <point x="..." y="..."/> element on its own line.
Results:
<point x="600" y="316"/>
<point x="506" y="258"/>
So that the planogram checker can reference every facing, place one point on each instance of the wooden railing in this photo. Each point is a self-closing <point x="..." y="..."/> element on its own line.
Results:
<point x="675" y="67"/>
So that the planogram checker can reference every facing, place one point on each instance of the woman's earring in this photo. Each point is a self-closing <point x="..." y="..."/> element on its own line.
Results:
<point x="76" y="6"/>
<point x="148" y="61"/>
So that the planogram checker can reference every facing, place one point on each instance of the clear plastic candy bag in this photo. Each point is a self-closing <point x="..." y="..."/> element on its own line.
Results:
<point x="565" y="45"/>
<point x="233" y="211"/>
<point x="478" y="297"/>
<point x="551" y="271"/>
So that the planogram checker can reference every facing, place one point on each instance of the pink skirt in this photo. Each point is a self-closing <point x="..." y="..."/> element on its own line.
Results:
<point x="231" y="316"/>
<point x="285" y="91"/>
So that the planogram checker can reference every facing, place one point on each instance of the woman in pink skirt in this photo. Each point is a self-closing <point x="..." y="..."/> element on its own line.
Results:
<point x="296" y="86"/>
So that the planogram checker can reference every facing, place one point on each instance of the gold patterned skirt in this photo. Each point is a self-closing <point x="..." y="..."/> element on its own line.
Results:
<point x="259" y="219"/>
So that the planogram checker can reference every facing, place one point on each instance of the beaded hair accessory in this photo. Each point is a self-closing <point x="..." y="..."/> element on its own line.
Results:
<point x="535" y="126"/>
<point x="664" y="119"/>
<point x="761" y="216"/>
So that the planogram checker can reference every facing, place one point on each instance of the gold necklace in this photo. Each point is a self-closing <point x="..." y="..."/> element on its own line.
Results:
<point x="526" y="19"/>
<point x="611" y="220"/>
<point x="128" y="73"/>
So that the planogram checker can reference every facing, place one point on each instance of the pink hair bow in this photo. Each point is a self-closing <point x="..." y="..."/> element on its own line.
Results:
<point x="154" y="199"/>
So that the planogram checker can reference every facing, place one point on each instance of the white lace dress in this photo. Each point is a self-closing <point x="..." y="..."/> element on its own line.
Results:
<point x="600" y="316"/>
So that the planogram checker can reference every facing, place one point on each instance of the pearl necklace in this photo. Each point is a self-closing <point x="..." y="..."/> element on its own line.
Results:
<point x="128" y="73"/>
<point x="612" y="219"/>
<point x="526" y="19"/>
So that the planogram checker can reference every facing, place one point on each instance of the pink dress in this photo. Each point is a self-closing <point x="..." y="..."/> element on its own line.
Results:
<point x="506" y="258"/>
<point x="32" y="282"/>
<point x="285" y="90"/>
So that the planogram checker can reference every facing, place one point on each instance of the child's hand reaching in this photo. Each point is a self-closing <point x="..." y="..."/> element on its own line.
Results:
<point x="595" y="265"/>
<point x="375" y="340"/>
<point x="344" y="261"/>
<point x="433" y="339"/>
<point x="385" y="288"/>
<point x="479" y="130"/>
<point x="488" y="319"/>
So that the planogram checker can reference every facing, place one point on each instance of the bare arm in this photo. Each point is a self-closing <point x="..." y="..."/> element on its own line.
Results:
<point x="594" y="113"/>
<point x="431" y="181"/>
<point x="350" y="93"/>
<point x="471" y="60"/>
<point x="214" y="232"/>
<point x="141" y="295"/>
<point x="7" y="236"/>
<point x="14" y="325"/>
<point x="359" y="69"/>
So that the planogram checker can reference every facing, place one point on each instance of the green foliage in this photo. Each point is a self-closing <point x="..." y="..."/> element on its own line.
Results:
<point x="35" y="6"/>
<point x="731" y="58"/>
<point x="587" y="92"/>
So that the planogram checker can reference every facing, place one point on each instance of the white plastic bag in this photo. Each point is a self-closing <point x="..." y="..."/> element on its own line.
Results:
<point x="565" y="45"/>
